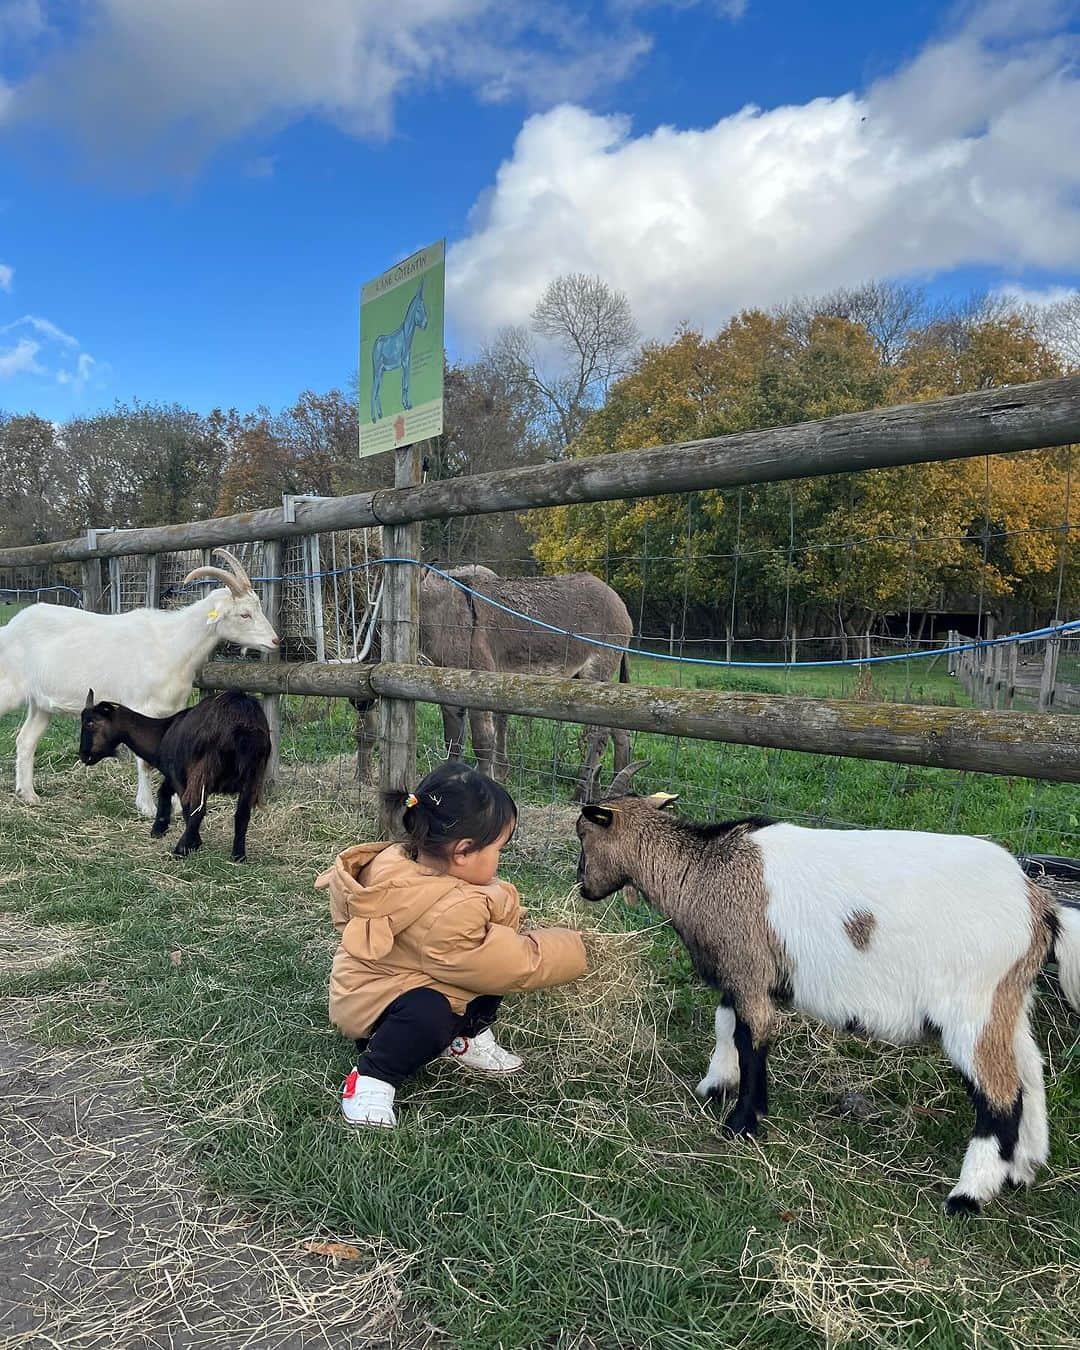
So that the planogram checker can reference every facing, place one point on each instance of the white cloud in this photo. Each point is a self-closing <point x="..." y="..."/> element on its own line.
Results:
<point x="968" y="155"/>
<point x="62" y="358"/>
<point x="1033" y="297"/>
<point x="20" y="359"/>
<point x="7" y="276"/>
<point x="167" y="82"/>
<point x="80" y="377"/>
<point x="44" y="327"/>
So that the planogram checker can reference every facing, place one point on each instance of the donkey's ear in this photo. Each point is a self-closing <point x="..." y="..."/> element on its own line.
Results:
<point x="598" y="815"/>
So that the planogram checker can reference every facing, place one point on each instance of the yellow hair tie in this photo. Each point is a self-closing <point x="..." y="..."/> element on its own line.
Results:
<point x="411" y="800"/>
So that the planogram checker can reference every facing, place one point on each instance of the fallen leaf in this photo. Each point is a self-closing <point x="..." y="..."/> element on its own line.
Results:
<point x="786" y="1216"/>
<point x="176" y="957"/>
<point x="338" y="1251"/>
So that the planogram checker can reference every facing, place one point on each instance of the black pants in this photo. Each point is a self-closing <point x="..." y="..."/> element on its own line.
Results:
<point x="417" y="1027"/>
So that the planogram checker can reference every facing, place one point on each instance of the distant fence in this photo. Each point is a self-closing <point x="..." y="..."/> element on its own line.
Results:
<point x="117" y="568"/>
<point x="1045" y="674"/>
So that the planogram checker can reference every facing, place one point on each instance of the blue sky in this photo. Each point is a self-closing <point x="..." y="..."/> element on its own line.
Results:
<point x="192" y="191"/>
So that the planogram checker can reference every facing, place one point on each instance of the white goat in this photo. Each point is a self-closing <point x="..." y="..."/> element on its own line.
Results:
<point x="146" y="659"/>
<point x="894" y="934"/>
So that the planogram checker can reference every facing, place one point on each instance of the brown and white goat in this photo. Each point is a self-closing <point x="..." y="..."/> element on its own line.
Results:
<point x="220" y="745"/>
<point x="892" y="933"/>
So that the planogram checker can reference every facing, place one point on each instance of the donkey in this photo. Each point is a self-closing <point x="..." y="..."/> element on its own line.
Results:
<point x="458" y="629"/>
<point x="390" y="351"/>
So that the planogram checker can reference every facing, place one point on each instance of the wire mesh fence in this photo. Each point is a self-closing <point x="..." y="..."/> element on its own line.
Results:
<point x="749" y="576"/>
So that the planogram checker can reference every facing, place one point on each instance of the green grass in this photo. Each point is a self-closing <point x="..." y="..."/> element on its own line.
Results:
<point x="590" y="1201"/>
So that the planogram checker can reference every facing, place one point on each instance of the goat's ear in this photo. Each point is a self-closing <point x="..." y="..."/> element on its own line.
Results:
<point x="599" y="815"/>
<point x="89" y="699"/>
<point x="662" y="800"/>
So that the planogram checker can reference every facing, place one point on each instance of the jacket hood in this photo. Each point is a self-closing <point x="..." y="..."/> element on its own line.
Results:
<point x="376" y="891"/>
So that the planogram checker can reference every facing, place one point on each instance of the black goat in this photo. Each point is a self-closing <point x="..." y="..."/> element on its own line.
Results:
<point x="219" y="745"/>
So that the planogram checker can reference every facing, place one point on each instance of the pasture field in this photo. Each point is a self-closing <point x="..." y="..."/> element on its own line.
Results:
<point x="591" y="1201"/>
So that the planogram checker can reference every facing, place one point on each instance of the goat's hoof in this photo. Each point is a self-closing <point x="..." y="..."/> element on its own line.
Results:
<point x="742" y="1123"/>
<point x="239" y="857"/>
<point x="962" y="1205"/>
<point x="159" y="829"/>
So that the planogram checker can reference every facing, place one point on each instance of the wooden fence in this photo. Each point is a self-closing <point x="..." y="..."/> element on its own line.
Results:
<point x="1033" y="671"/>
<point x="993" y="740"/>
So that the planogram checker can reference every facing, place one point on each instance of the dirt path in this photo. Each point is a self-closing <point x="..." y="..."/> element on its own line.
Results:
<point x="107" y="1242"/>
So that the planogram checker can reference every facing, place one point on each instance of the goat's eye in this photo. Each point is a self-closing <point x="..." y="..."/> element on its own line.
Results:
<point x="245" y="616"/>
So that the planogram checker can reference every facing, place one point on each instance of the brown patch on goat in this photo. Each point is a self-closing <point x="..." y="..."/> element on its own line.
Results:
<point x="995" y="1057"/>
<point x="860" y="928"/>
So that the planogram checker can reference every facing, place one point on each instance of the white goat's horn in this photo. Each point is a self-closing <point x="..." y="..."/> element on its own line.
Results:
<point x="235" y="566"/>
<point x="621" y="781"/>
<point x="218" y="574"/>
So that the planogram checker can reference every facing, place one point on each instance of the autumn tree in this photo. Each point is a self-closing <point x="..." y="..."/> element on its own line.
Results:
<point x="485" y="428"/>
<point x="580" y="339"/>
<point x="28" y="467"/>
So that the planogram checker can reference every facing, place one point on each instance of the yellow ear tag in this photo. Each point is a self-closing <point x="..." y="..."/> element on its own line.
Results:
<point x="211" y="616"/>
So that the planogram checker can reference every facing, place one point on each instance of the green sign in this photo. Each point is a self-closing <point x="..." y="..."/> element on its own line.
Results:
<point x="401" y="353"/>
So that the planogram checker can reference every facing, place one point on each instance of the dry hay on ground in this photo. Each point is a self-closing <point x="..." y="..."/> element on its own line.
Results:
<point x="107" y="1240"/>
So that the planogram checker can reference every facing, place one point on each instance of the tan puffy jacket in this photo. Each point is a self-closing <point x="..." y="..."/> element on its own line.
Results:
<point x="404" y="926"/>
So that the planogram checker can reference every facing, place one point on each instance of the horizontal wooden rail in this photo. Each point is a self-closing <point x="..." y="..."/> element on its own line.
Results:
<point x="1038" y="745"/>
<point x="1020" y="417"/>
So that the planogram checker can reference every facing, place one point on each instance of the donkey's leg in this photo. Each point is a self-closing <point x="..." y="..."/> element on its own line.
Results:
<point x="453" y="720"/>
<point x="621" y="739"/>
<point x="482" y="727"/>
<point x="596" y="739"/>
<point x="367" y="733"/>
<point x="31" y="731"/>
<point x="501" y="764"/>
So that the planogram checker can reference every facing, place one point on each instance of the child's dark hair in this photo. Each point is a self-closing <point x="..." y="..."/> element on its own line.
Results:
<point x="453" y="803"/>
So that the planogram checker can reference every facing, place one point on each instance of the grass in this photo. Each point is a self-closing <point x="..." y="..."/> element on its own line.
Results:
<point x="590" y="1202"/>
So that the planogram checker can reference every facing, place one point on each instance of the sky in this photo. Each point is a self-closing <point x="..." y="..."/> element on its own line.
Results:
<point x="192" y="192"/>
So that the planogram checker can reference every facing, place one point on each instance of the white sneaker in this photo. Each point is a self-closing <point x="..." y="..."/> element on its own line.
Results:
<point x="482" y="1053"/>
<point x="368" y="1101"/>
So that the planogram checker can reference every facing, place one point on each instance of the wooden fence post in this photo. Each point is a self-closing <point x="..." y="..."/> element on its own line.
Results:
<point x="400" y="643"/>
<point x="1049" y="674"/>
<point x="1010" y="676"/>
<point x="91" y="578"/>
<point x="997" y="656"/>
<point x="272" y="560"/>
<point x="153" y="580"/>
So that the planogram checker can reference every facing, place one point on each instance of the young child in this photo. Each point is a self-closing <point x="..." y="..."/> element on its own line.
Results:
<point x="430" y="941"/>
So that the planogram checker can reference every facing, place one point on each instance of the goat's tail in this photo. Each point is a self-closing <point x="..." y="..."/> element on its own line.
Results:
<point x="624" y="669"/>
<point x="1067" y="952"/>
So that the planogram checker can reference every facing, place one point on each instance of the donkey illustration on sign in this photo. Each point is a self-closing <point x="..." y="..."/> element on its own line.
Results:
<point x="390" y="351"/>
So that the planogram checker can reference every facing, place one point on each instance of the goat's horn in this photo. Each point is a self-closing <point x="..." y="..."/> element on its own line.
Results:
<point x="217" y="574"/>
<point x="235" y="565"/>
<point x="621" y="781"/>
